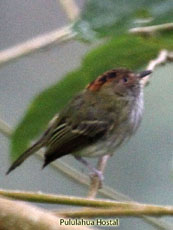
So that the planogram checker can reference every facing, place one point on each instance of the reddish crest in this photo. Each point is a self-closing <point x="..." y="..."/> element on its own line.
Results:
<point x="106" y="78"/>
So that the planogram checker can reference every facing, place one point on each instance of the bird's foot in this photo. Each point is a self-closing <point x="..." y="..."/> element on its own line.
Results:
<point x="93" y="171"/>
<point x="97" y="174"/>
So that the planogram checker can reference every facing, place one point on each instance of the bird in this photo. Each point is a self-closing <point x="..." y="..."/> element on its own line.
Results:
<point x="96" y="121"/>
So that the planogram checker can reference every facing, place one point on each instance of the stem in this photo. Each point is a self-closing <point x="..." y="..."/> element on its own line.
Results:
<point x="5" y="129"/>
<point x="163" y="57"/>
<point x="136" y="211"/>
<point x="19" y="216"/>
<point x="61" y="199"/>
<point x="148" y="30"/>
<point x="35" y="44"/>
<point x="71" y="9"/>
<point x="113" y="208"/>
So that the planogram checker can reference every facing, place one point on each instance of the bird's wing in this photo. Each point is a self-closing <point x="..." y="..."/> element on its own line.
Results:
<point x="35" y="147"/>
<point x="66" y="139"/>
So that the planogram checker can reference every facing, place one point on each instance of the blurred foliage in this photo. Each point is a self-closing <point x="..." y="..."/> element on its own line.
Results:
<point x="111" y="17"/>
<point x="123" y="51"/>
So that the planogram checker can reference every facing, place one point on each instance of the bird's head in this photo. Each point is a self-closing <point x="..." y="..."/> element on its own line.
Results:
<point x="122" y="82"/>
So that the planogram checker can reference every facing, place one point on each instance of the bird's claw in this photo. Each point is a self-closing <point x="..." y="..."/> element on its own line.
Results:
<point x="97" y="174"/>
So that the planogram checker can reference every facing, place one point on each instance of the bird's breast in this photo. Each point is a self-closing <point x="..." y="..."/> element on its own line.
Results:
<point x="136" y="112"/>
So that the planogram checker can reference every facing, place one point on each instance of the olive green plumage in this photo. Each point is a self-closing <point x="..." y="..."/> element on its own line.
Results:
<point x="96" y="121"/>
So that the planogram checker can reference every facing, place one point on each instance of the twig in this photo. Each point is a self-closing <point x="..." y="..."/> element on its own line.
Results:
<point x="54" y="199"/>
<point x="111" y="208"/>
<point x="19" y="216"/>
<point x="5" y="129"/>
<point x="71" y="8"/>
<point x="122" y="208"/>
<point x="155" y="222"/>
<point x="35" y="44"/>
<point x="163" y="57"/>
<point x="136" y="211"/>
<point x="61" y="199"/>
<point x="148" y="30"/>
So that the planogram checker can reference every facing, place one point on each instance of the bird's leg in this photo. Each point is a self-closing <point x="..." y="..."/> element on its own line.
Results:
<point x="94" y="171"/>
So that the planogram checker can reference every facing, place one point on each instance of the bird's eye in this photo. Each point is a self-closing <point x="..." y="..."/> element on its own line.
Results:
<point x="125" y="79"/>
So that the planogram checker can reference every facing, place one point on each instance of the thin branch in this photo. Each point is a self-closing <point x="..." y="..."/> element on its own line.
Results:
<point x="71" y="9"/>
<point x="155" y="222"/>
<point x="35" y="44"/>
<point x="19" y="216"/>
<point x="136" y="211"/>
<point x="163" y="57"/>
<point x="5" y="129"/>
<point x="110" y="208"/>
<point x="62" y="199"/>
<point x="54" y="199"/>
<point x="149" y="30"/>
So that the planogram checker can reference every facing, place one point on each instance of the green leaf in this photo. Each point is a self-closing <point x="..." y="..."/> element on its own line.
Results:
<point x="112" y="17"/>
<point x="126" y="51"/>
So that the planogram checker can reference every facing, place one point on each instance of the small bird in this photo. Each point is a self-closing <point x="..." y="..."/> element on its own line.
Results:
<point x="96" y="121"/>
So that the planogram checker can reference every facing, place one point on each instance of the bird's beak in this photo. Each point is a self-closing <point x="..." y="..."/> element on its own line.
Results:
<point x="144" y="73"/>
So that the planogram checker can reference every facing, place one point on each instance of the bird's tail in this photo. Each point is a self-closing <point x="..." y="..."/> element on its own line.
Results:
<point x="39" y="144"/>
